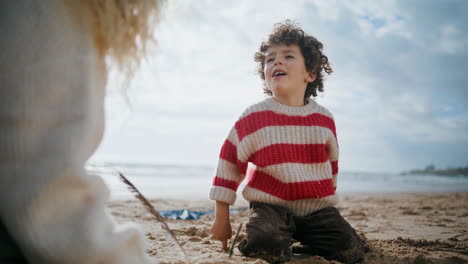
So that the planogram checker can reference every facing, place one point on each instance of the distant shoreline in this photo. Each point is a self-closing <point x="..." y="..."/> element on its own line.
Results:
<point x="440" y="172"/>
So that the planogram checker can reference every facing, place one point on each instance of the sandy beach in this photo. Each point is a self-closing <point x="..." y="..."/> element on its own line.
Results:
<point x="399" y="228"/>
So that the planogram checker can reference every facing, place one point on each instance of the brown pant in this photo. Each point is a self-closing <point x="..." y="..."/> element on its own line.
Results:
<point x="325" y="233"/>
<point x="9" y="252"/>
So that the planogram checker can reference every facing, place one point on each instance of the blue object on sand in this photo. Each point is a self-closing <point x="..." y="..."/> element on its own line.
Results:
<point x="185" y="214"/>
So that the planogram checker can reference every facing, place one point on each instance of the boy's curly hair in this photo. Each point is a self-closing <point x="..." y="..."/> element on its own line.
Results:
<point x="289" y="33"/>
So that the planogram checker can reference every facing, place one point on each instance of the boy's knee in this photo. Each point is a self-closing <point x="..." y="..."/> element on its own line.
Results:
<point x="270" y="253"/>
<point x="353" y="249"/>
<point x="353" y="254"/>
<point x="270" y="246"/>
<point x="267" y="238"/>
<point x="269" y="233"/>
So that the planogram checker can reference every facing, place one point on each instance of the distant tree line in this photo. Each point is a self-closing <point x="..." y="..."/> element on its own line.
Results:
<point x="432" y="170"/>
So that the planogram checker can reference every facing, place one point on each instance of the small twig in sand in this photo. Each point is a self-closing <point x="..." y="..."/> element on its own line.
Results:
<point x="234" y="241"/>
<point x="153" y="211"/>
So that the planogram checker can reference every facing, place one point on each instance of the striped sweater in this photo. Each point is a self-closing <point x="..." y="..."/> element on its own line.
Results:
<point x="294" y="151"/>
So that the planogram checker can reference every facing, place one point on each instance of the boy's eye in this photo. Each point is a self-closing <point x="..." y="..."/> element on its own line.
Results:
<point x="270" y="60"/>
<point x="289" y="57"/>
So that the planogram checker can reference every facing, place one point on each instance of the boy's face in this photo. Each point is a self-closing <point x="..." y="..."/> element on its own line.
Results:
<point x="285" y="71"/>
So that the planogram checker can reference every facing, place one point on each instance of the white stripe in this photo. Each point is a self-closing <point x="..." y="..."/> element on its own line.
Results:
<point x="222" y="194"/>
<point x="229" y="171"/>
<point x="332" y="149"/>
<point x="269" y="104"/>
<point x="322" y="110"/>
<point x="232" y="136"/>
<point x="297" y="172"/>
<point x="258" y="107"/>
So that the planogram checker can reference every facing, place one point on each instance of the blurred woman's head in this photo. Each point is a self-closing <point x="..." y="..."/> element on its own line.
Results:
<point x="121" y="30"/>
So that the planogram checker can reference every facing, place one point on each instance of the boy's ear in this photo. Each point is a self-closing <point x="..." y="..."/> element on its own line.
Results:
<point x="310" y="77"/>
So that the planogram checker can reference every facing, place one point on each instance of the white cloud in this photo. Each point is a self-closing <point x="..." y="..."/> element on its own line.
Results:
<point x="327" y="10"/>
<point x="397" y="28"/>
<point x="450" y="40"/>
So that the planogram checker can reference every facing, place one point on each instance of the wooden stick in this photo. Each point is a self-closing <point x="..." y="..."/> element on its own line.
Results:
<point x="234" y="241"/>
<point x="153" y="211"/>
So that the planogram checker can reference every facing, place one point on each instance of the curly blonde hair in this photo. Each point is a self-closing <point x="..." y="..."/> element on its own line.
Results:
<point x="121" y="29"/>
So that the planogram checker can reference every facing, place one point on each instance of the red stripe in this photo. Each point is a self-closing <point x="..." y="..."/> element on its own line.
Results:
<point x="229" y="152"/>
<point x="291" y="191"/>
<point x="258" y="120"/>
<point x="289" y="153"/>
<point x="242" y="166"/>
<point x="217" y="181"/>
<point x="334" y="165"/>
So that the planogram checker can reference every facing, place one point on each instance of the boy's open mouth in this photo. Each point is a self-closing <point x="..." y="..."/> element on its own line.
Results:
<point x="278" y="73"/>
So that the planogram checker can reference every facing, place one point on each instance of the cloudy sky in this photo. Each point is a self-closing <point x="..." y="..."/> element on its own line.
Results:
<point x="399" y="89"/>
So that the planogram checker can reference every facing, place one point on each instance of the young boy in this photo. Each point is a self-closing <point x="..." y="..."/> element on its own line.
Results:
<point x="291" y="141"/>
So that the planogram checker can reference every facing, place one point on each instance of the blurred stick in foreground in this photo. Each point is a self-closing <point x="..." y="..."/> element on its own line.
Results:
<point x="153" y="211"/>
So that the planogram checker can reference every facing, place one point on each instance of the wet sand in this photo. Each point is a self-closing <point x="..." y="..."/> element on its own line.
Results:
<point x="399" y="228"/>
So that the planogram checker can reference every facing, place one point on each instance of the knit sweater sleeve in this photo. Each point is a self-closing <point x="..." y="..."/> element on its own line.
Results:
<point x="333" y="151"/>
<point x="51" y="121"/>
<point x="230" y="171"/>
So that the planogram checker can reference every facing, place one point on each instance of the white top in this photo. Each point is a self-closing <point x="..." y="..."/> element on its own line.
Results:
<point x="52" y="88"/>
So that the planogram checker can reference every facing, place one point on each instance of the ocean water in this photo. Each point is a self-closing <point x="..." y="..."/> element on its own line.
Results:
<point x="192" y="182"/>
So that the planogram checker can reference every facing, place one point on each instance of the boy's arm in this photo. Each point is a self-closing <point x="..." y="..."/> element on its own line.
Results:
<point x="333" y="153"/>
<point x="221" y="227"/>
<point x="229" y="174"/>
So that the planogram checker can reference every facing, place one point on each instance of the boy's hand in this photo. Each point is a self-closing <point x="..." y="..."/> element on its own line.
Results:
<point x="221" y="227"/>
<point x="222" y="231"/>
